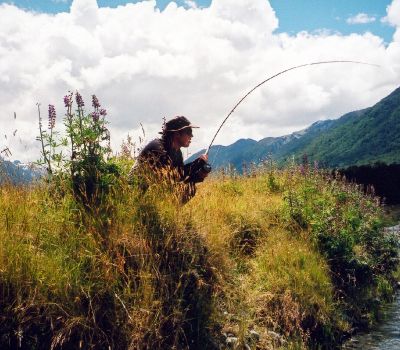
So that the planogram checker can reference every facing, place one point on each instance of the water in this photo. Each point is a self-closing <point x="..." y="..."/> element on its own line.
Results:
<point x="386" y="335"/>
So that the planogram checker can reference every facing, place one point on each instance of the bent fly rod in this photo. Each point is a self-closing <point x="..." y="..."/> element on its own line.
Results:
<point x="272" y="77"/>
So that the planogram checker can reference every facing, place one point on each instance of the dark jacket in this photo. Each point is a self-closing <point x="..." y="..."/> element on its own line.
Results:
<point x="167" y="165"/>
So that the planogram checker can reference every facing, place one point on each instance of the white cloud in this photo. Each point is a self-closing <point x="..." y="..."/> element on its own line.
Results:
<point x="361" y="18"/>
<point x="393" y="13"/>
<point x="145" y="64"/>
<point x="191" y="4"/>
<point x="393" y="18"/>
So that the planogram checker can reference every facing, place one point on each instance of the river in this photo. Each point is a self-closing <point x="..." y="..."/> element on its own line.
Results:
<point x="386" y="334"/>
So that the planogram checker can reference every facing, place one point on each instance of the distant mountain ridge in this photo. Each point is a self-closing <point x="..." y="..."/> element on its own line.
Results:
<point x="359" y="137"/>
<point x="17" y="172"/>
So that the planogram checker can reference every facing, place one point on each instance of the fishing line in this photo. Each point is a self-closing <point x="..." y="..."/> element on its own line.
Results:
<point x="272" y="77"/>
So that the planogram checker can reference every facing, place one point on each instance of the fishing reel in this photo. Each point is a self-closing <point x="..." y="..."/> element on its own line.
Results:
<point x="199" y="169"/>
<point x="206" y="167"/>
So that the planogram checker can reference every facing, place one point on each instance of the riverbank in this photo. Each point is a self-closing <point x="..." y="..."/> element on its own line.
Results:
<point x="384" y="335"/>
<point x="392" y="213"/>
<point x="284" y="259"/>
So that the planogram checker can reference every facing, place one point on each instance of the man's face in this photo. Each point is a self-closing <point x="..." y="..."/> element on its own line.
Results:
<point x="185" y="137"/>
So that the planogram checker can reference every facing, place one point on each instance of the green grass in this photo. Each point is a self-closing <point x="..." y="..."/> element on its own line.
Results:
<point x="287" y="251"/>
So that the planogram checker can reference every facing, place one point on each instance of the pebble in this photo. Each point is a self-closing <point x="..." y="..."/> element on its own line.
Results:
<point x="254" y="336"/>
<point x="279" y="339"/>
<point x="231" y="342"/>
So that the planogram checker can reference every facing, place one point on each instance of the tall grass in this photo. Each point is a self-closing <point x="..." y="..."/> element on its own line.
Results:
<point x="284" y="252"/>
<point x="64" y="283"/>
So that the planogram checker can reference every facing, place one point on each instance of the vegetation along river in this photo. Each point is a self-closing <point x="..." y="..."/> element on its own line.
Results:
<point x="386" y="334"/>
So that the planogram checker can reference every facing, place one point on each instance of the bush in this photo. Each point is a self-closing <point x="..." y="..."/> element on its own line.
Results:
<point x="346" y="227"/>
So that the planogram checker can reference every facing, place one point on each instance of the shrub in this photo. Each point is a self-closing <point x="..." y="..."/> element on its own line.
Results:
<point x="346" y="228"/>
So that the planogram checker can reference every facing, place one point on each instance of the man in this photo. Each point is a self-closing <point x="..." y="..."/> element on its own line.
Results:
<point x="162" y="159"/>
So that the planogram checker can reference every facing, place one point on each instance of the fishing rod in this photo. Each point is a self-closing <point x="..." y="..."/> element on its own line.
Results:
<point x="202" y="165"/>
<point x="274" y="76"/>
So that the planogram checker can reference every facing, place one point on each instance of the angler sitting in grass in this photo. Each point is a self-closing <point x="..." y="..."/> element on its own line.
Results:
<point x="163" y="158"/>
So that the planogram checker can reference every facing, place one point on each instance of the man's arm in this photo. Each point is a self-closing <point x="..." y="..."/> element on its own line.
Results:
<point x="194" y="171"/>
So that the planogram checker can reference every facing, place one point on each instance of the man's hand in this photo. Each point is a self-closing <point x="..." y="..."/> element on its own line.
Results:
<point x="204" y="157"/>
<point x="201" y="175"/>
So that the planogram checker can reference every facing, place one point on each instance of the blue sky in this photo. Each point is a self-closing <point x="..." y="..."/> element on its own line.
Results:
<point x="310" y="15"/>
<point x="196" y="60"/>
<point x="294" y="15"/>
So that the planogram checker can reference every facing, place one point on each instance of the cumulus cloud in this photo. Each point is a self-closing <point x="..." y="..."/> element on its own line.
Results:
<point x="361" y="18"/>
<point x="393" y="18"/>
<point x="145" y="64"/>
<point x="393" y="13"/>
<point x="191" y="4"/>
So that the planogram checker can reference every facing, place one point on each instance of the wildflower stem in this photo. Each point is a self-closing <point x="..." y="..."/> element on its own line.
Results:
<point x="46" y="159"/>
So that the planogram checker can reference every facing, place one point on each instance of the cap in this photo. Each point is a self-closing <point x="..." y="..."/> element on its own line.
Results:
<point x="177" y="124"/>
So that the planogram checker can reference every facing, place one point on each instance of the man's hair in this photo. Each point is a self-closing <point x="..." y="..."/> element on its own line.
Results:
<point x="173" y="125"/>
<point x="176" y="124"/>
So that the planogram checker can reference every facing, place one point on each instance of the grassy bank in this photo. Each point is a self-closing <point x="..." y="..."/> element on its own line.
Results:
<point x="286" y="259"/>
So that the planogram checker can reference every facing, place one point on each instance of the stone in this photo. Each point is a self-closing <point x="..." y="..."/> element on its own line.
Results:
<point x="231" y="342"/>
<point x="276" y="338"/>
<point x="254" y="336"/>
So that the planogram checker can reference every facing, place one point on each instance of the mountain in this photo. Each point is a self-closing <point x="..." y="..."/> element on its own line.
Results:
<point x="360" y="137"/>
<point x="17" y="172"/>
<point x="251" y="151"/>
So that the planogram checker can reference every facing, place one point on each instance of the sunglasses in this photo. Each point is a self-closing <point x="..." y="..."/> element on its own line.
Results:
<point x="187" y="131"/>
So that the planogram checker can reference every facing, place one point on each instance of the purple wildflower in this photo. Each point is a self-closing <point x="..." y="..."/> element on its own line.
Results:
<point x="68" y="100"/>
<point x="302" y="169"/>
<point x="79" y="100"/>
<point x="52" y="116"/>
<point x="103" y="112"/>
<point x="95" y="116"/>
<point x="95" y="102"/>
<point x="304" y="166"/>
<point x="305" y="160"/>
